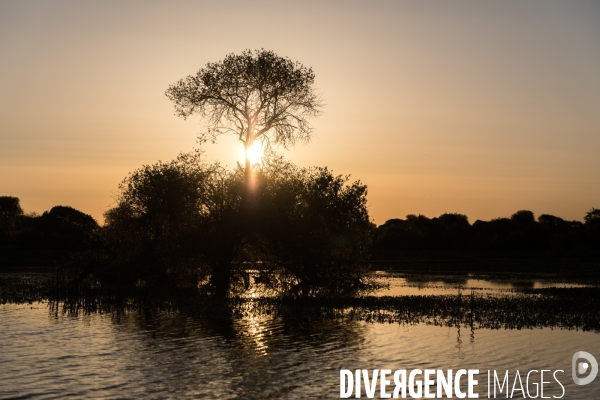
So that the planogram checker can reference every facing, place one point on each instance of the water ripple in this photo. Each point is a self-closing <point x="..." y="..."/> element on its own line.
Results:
<point x="174" y="355"/>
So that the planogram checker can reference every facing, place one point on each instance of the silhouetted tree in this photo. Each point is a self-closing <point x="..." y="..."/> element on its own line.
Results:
<point x="47" y="239"/>
<point x="551" y="221"/>
<point x="179" y="223"/>
<point x="315" y="227"/>
<point x="592" y="216"/>
<point x="10" y="210"/>
<point x="256" y="95"/>
<point x="455" y="221"/>
<point x="175" y="221"/>
<point x="457" y="230"/>
<point x="68" y="228"/>
<point x="418" y="233"/>
<point x="524" y="217"/>
<point x="592" y="231"/>
<point x="554" y="232"/>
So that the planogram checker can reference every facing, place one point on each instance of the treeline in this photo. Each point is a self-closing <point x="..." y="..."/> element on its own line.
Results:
<point x="42" y="240"/>
<point x="519" y="235"/>
<point x="61" y="231"/>
<point x="180" y="223"/>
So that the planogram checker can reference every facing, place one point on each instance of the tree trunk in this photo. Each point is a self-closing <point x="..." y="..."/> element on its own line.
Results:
<point x="221" y="272"/>
<point x="248" y="169"/>
<point x="248" y="201"/>
<point x="247" y="174"/>
<point x="220" y="278"/>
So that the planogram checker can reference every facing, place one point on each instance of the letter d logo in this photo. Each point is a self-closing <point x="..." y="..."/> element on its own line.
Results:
<point x="583" y="367"/>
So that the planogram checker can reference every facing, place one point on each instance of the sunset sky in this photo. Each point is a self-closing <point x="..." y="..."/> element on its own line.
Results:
<point x="481" y="108"/>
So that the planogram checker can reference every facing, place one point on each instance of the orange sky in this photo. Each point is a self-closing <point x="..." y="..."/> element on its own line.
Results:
<point x="482" y="108"/>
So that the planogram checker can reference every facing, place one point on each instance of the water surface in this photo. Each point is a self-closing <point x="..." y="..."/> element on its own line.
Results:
<point x="48" y="354"/>
<point x="44" y="354"/>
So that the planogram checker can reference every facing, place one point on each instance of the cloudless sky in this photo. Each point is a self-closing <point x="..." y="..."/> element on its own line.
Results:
<point x="482" y="108"/>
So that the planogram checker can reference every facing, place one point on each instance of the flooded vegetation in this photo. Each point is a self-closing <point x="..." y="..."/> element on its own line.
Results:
<point x="440" y="300"/>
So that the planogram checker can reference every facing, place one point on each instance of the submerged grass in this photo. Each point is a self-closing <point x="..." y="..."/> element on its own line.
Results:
<point x="477" y="311"/>
<point x="562" y="308"/>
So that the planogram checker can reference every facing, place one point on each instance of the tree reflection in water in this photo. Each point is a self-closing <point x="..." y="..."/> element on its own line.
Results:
<point x="230" y="356"/>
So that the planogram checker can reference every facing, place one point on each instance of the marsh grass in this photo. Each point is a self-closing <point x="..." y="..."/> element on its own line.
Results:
<point x="561" y="308"/>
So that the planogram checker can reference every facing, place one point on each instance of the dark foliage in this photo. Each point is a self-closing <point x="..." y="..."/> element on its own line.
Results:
<point x="313" y="228"/>
<point x="418" y="233"/>
<point x="174" y="224"/>
<point x="55" y="236"/>
<point x="592" y="217"/>
<point x="521" y="235"/>
<point x="182" y="223"/>
<point x="10" y="211"/>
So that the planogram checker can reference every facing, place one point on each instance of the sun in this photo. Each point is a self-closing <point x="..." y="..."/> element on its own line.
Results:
<point x="255" y="154"/>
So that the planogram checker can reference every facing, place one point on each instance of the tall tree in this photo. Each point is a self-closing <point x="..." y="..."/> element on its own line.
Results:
<point x="256" y="95"/>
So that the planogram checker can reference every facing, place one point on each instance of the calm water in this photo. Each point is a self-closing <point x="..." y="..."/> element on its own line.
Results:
<point x="173" y="355"/>
<point x="407" y="285"/>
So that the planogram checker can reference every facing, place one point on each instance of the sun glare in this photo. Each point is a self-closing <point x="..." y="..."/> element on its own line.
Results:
<point x="255" y="153"/>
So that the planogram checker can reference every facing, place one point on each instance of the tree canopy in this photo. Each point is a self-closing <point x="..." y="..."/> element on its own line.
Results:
<point x="315" y="227"/>
<point x="255" y="95"/>
<point x="174" y="222"/>
<point x="179" y="223"/>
